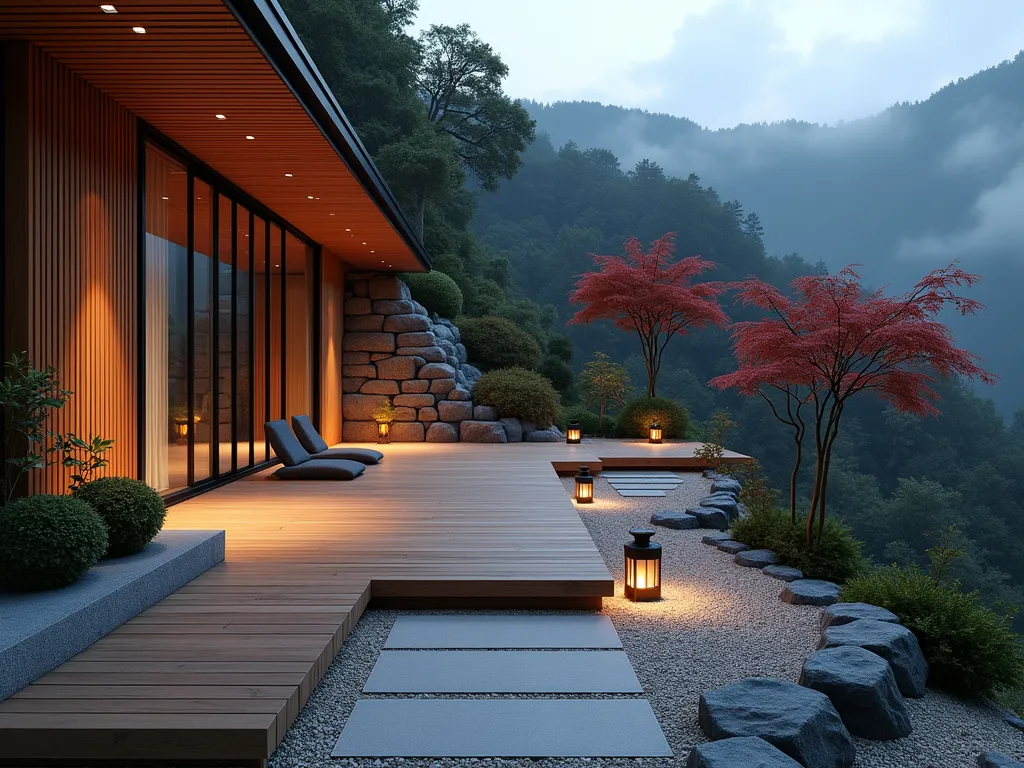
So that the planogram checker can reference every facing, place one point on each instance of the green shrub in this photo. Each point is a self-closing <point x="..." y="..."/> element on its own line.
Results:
<point x="48" y="541"/>
<point x="560" y="347"/>
<point x="435" y="291"/>
<point x="635" y="418"/>
<point x="494" y="342"/>
<point x="1012" y="699"/>
<point x="837" y="557"/>
<point x="588" y="420"/>
<point x="971" y="650"/>
<point x="559" y="373"/>
<point x="519" y="394"/>
<point x="132" y="510"/>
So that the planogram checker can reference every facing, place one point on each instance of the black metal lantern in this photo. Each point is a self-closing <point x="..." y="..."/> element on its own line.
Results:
<point x="654" y="435"/>
<point x="573" y="433"/>
<point x="643" y="566"/>
<point x="584" y="486"/>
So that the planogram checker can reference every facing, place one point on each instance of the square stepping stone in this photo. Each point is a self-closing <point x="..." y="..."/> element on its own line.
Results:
<point x="641" y="493"/>
<point x="645" y="487"/>
<point x="503" y="672"/>
<point x="516" y="631"/>
<point x="502" y="728"/>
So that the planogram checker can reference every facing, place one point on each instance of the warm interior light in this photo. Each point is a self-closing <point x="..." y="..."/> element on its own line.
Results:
<point x="347" y="229"/>
<point x="383" y="432"/>
<point x="364" y="243"/>
<point x="309" y="197"/>
<point x="221" y="117"/>
<point x="288" y="175"/>
<point x="139" y="30"/>
<point x="165" y="197"/>
<point x="250" y="138"/>
<point x="654" y="435"/>
<point x="108" y="8"/>
<point x="573" y="433"/>
<point x="643" y="566"/>
<point x="330" y="214"/>
<point x="584" y="486"/>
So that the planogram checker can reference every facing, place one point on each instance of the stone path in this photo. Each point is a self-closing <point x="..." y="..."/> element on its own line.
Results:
<point x="565" y="655"/>
<point x="635" y="483"/>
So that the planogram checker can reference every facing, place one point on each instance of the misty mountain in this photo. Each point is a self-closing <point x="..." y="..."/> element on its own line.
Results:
<point x="901" y="192"/>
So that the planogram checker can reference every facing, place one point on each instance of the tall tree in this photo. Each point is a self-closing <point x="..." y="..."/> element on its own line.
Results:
<point x="646" y="293"/>
<point x="604" y="383"/>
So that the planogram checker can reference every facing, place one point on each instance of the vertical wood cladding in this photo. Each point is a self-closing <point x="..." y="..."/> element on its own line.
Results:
<point x="75" y="265"/>
<point x="332" y="328"/>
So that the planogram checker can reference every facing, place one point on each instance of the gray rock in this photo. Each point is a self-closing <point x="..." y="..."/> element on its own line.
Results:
<point x="482" y="432"/>
<point x="459" y="393"/>
<point x="370" y="323"/>
<point x="724" y="502"/>
<point x="844" y="613"/>
<point x="1011" y="719"/>
<point x="439" y="432"/>
<point x="810" y="592"/>
<point x="997" y="760"/>
<point x="755" y="558"/>
<point x="397" y="368"/>
<point x="485" y="413"/>
<point x="368" y="342"/>
<point x="419" y="309"/>
<point x="397" y="307"/>
<point x="528" y="426"/>
<point x="378" y="387"/>
<point x="388" y="287"/>
<point x="453" y="361"/>
<point x="352" y="384"/>
<point x="862" y="688"/>
<point x="800" y="722"/>
<point x="430" y="354"/>
<point x="367" y="371"/>
<point x="407" y="431"/>
<point x="361" y="407"/>
<point x="716" y="536"/>
<point x="783" y="572"/>
<point x="513" y="430"/>
<point x="417" y="339"/>
<point x="733" y="547"/>
<point x="437" y="371"/>
<point x="743" y="511"/>
<point x="709" y="517"/>
<point x="543" y="436"/>
<point x="416" y="386"/>
<point x="472" y="373"/>
<point x="443" y="332"/>
<point x="739" y="752"/>
<point x="441" y="387"/>
<point x="405" y="323"/>
<point x="414" y="401"/>
<point x="893" y="642"/>
<point x="460" y="353"/>
<point x="669" y="518"/>
<point x="726" y="485"/>
<point x="452" y="410"/>
<point x="357" y="306"/>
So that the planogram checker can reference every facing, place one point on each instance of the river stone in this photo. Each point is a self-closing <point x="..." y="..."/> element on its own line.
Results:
<point x="460" y="353"/>
<point x="783" y="572"/>
<point x="862" y="688"/>
<point x="437" y="371"/>
<point x="459" y="393"/>
<point x="997" y="760"/>
<point x="810" y="592"/>
<point x="481" y="431"/>
<point x="357" y="306"/>
<point x="419" y="309"/>
<point x="709" y="517"/>
<point x="439" y="432"/>
<point x="550" y="435"/>
<point x="844" y="613"/>
<point x="893" y="642"/>
<point x="739" y="752"/>
<point x="716" y="536"/>
<point x="670" y="518"/>
<point x="755" y="558"/>
<point x="451" y="410"/>
<point x="405" y="323"/>
<point x="726" y="485"/>
<point x="732" y="547"/>
<point x="800" y="722"/>
<point x="485" y="413"/>
<point x="513" y="430"/>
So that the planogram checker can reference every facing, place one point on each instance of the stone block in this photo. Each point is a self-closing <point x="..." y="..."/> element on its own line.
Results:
<point x="357" y="306"/>
<point x="437" y="371"/>
<point x="407" y="432"/>
<point x="441" y="387"/>
<point x="485" y="413"/>
<point x="461" y="393"/>
<point x="405" y="414"/>
<point x="481" y="431"/>
<point x="672" y="518"/>
<point x="439" y="432"/>
<point x="419" y="309"/>
<point x="360" y="407"/>
<point x="427" y="414"/>
<point x="392" y="307"/>
<point x="368" y="342"/>
<point x="452" y="410"/>
<point x="352" y="384"/>
<point x="360" y="288"/>
<point x="396" y="368"/>
<point x="379" y="387"/>
<point x="810" y="592"/>
<point x="364" y="323"/>
<point x="844" y="613"/>
<point x="430" y="354"/>
<point x="387" y="287"/>
<point x="893" y="642"/>
<point x="415" y="401"/>
<point x="354" y="431"/>
<point x="416" y="386"/>
<point x="361" y="371"/>
<point x="419" y="339"/>
<point x="380" y="356"/>
<point x="355" y="358"/>
<point x="513" y="430"/>
<point x="739" y="752"/>
<point x="407" y="323"/>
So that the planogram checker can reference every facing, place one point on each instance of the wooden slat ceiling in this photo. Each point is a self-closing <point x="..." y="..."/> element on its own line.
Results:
<point x="194" y="62"/>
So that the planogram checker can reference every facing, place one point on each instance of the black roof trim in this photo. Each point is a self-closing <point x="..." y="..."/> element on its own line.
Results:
<point x="269" y="28"/>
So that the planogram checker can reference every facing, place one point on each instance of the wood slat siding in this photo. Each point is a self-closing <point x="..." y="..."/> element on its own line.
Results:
<point x="332" y="330"/>
<point x="77" y="271"/>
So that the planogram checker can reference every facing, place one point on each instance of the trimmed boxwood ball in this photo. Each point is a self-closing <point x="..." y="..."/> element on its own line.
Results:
<point x="48" y="541"/>
<point x="435" y="291"/>
<point x="132" y="510"/>
<point x="494" y="342"/>
<point x="635" y="418"/>
<point x="518" y="394"/>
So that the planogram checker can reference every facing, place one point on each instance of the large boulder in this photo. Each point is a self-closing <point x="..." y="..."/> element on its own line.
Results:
<point x="471" y="431"/>
<point x="439" y="432"/>
<point x="997" y="760"/>
<point x="360" y="407"/>
<point x="549" y="435"/>
<point x="755" y="558"/>
<point x="670" y="518"/>
<point x="783" y="572"/>
<point x="810" y="592"/>
<point x="388" y="287"/>
<point x="397" y="368"/>
<point x="739" y="752"/>
<point x="407" y="431"/>
<point x="844" y="613"/>
<point x="513" y="430"/>
<point x="862" y="688"/>
<point x="800" y="722"/>
<point x="893" y="642"/>
<point x="733" y="547"/>
<point x="709" y="517"/>
<point x="726" y="485"/>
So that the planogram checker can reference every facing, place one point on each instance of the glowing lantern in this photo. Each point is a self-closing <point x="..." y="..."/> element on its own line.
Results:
<point x="643" y="566"/>
<point x="383" y="431"/>
<point x="584" y="486"/>
<point x="573" y="433"/>
<point x="181" y="429"/>
<point x="654" y="435"/>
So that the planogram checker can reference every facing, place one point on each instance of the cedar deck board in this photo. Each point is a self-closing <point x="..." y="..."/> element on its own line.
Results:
<point x="302" y="562"/>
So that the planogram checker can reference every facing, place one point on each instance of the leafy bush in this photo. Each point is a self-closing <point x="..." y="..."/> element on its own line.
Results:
<point x="635" y="419"/>
<point x="559" y="373"/>
<point x="837" y="557"/>
<point x="48" y="541"/>
<point x="519" y="394"/>
<point x="435" y="291"/>
<point x="970" y="649"/>
<point x="134" y="512"/>
<point x="494" y="342"/>
<point x="560" y="347"/>
<point x="588" y="420"/>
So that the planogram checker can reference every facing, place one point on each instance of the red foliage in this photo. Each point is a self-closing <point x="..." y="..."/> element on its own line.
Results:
<point x="643" y="292"/>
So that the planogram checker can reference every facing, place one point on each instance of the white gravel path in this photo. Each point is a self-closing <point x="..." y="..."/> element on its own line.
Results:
<point x="717" y="622"/>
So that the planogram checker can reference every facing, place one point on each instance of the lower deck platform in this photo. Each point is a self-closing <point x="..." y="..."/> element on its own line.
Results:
<point x="217" y="671"/>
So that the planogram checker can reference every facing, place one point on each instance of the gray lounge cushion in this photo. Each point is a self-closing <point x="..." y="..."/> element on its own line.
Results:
<point x="322" y="469"/>
<point x="288" y="449"/>
<point x="317" y="446"/>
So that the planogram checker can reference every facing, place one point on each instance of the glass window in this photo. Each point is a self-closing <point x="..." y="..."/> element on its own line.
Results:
<point x="276" y="279"/>
<point x="261" y="380"/>
<point x="204" y="402"/>
<point x="225" y="335"/>
<point x="243" y="336"/>
<point x="298" y="337"/>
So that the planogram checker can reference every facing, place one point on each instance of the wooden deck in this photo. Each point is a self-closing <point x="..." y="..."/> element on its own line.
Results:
<point x="217" y="671"/>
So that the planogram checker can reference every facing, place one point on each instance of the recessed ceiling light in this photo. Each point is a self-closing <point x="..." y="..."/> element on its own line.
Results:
<point x="318" y="198"/>
<point x="277" y="265"/>
<point x="330" y="214"/>
<point x="309" y="197"/>
<point x="372" y="251"/>
<point x="347" y="229"/>
<point x="165" y="198"/>
<point x="139" y="30"/>
<point x="108" y="8"/>
<point x="288" y="175"/>
<point x="250" y="138"/>
<point x="364" y="243"/>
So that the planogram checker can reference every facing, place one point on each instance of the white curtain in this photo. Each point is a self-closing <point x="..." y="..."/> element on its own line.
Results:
<point x="157" y="417"/>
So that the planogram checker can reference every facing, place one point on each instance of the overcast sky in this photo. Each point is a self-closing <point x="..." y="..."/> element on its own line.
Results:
<point x="723" y="62"/>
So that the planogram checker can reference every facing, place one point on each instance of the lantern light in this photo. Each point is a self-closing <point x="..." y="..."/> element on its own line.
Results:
<point x="654" y="436"/>
<point x="643" y="566"/>
<point x="383" y="432"/>
<point x="584" y="486"/>
<point x="573" y="433"/>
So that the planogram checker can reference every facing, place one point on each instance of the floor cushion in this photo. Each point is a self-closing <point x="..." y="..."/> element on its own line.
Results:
<point x="288" y="449"/>
<point x="308" y="436"/>
<point x="322" y="469"/>
<point x="363" y="455"/>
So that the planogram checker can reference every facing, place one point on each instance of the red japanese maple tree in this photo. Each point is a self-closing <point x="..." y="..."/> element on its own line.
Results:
<point x="834" y="340"/>
<point x="646" y="293"/>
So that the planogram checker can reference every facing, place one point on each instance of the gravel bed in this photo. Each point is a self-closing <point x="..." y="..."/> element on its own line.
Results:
<point x="716" y="623"/>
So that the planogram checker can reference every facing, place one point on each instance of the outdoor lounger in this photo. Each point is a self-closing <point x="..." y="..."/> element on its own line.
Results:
<point x="299" y="465"/>
<point x="317" y="448"/>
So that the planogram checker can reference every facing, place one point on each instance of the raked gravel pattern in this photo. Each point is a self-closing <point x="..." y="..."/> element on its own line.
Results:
<point x="716" y="623"/>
